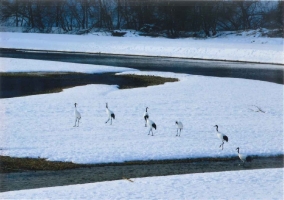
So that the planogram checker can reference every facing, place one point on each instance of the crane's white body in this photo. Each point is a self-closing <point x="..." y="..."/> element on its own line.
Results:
<point x="109" y="112"/>
<point x="151" y="125"/>
<point x="110" y="115"/>
<point x="242" y="157"/>
<point x="220" y="136"/>
<point x="77" y="115"/>
<point x="179" y="127"/>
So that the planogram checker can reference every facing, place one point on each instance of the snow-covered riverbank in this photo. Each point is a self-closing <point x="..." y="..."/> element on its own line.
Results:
<point x="247" y="46"/>
<point x="249" y="184"/>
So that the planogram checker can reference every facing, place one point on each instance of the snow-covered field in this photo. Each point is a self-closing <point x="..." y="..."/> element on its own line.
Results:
<point x="246" y="46"/>
<point x="42" y="125"/>
<point x="250" y="184"/>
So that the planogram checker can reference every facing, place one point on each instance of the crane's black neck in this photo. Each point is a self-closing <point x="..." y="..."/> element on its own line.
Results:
<point x="216" y="128"/>
<point x="146" y="109"/>
<point x="238" y="150"/>
<point x="106" y="105"/>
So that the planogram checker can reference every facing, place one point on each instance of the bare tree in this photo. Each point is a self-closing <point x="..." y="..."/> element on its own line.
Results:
<point x="171" y="16"/>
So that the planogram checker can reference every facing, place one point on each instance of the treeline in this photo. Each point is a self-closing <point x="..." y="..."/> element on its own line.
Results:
<point x="172" y="17"/>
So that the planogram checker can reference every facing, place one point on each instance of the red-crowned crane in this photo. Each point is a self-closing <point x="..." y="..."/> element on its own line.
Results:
<point x="243" y="157"/>
<point x="77" y="115"/>
<point x="179" y="127"/>
<point x="110" y="115"/>
<point x="222" y="137"/>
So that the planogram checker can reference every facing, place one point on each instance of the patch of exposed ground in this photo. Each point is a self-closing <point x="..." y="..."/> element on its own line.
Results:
<point x="23" y="84"/>
<point x="135" y="81"/>
<point x="11" y="164"/>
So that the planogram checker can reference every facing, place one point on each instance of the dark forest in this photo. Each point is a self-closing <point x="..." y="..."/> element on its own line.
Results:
<point x="150" y="16"/>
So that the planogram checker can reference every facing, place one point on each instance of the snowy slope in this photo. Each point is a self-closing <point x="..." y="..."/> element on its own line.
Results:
<point x="42" y="125"/>
<point x="228" y="47"/>
<point x="250" y="184"/>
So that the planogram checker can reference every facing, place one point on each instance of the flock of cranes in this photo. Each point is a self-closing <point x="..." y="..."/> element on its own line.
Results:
<point x="224" y="138"/>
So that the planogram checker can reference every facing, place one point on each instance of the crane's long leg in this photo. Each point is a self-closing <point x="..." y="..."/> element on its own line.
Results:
<point x="107" y="120"/>
<point x="222" y="145"/>
<point x="152" y="132"/>
<point x="149" y="131"/>
<point x="75" y="122"/>
<point x="78" y="122"/>
<point x="177" y="133"/>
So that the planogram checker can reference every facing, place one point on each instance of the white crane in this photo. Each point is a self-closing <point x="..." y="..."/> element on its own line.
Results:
<point x="146" y="116"/>
<point x="179" y="127"/>
<point x="151" y="125"/>
<point x="222" y="137"/>
<point x="110" y="115"/>
<point x="77" y="115"/>
<point x="243" y="157"/>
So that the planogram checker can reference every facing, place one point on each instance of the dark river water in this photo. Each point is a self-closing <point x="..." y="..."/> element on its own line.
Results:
<point x="256" y="71"/>
<point x="116" y="171"/>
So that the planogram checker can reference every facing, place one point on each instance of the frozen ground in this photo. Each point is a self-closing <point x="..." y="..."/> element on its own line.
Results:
<point x="42" y="125"/>
<point x="249" y="184"/>
<point x="232" y="46"/>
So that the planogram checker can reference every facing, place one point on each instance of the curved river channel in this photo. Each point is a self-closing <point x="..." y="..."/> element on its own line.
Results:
<point x="255" y="71"/>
